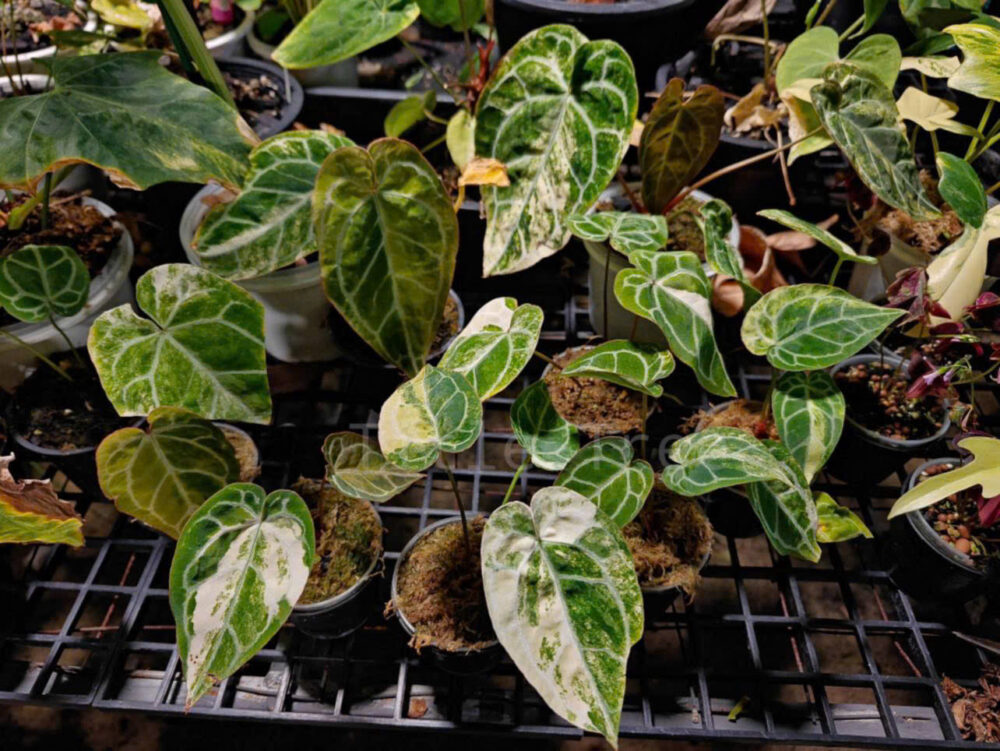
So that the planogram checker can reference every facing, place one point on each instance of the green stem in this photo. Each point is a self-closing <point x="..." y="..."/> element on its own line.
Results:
<point x="993" y="188"/>
<point x="194" y="44"/>
<point x="461" y="506"/>
<point x="974" y="143"/>
<point x="436" y="142"/>
<point x="21" y="343"/>
<point x="852" y="28"/>
<point x="826" y="12"/>
<point x="46" y="195"/>
<point x="18" y="215"/>
<point x="69" y="344"/>
<point x="433" y="73"/>
<point x="836" y="270"/>
<point x="517" y="476"/>
<point x="931" y="133"/>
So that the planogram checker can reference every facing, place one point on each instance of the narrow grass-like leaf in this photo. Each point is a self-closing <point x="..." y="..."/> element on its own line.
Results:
<point x="606" y="473"/>
<point x="808" y="410"/>
<point x="625" y="231"/>
<point x="633" y="366"/>
<point x="961" y="187"/>
<point x="356" y="468"/>
<point x="983" y="471"/>
<point x="38" y="282"/>
<point x="549" y="440"/>
<point x="842" y="250"/>
<point x="836" y="523"/>
<point x="31" y="512"/>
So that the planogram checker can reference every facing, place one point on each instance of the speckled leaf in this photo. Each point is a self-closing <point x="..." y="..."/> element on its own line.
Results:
<point x="335" y="30"/>
<point x="787" y="512"/>
<point x="565" y="603"/>
<point x="812" y="326"/>
<point x="961" y="187"/>
<point x="495" y="345"/>
<point x="39" y="282"/>
<point x="836" y="523"/>
<point x="356" y="468"/>
<point x="625" y="231"/>
<point x="163" y="474"/>
<point x="240" y="565"/>
<point x="435" y="411"/>
<point x="606" y="472"/>
<point x="557" y="112"/>
<point x="269" y="225"/>
<point x="387" y="236"/>
<point x="124" y="113"/>
<point x="843" y="251"/>
<point x="671" y="290"/>
<point x="933" y="66"/>
<point x="202" y="348"/>
<point x="715" y="219"/>
<point x="983" y="471"/>
<point x="30" y="511"/>
<point x="549" y="440"/>
<point x="979" y="73"/>
<point x="634" y="366"/>
<point x="955" y="275"/>
<point x="808" y="410"/>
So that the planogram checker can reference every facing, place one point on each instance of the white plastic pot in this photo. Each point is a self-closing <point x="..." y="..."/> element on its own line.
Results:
<point x="110" y="288"/>
<point x="27" y="62"/>
<point x="344" y="73"/>
<point x="232" y="42"/>
<point x="295" y="307"/>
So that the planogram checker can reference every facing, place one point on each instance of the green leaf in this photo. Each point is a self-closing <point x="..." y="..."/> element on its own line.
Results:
<point x="979" y="73"/>
<point x="812" y="326"/>
<point x="679" y="138"/>
<point x="408" y="112"/>
<point x="460" y="137"/>
<point x="557" y="111"/>
<point x="202" y="348"/>
<point x="843" y="251"/>
<point x="626" y="231"/>
<point x="983" y="471"/>
<point x="808" y="410"/>
<point x="715" y="219"/>
<point x="335" y="30"/>
<point x="240" y="565"/>
<point x="955" y="275"/>
<point x="30" y="511"/>
<point x="807" y="57"/>
<point x="960" y="186"/>
<point x="269" y="225"/>
<point x="837" y="523"/>
<point x="458" y="14"/>
<point x="873" y="12"/>
<point x="671" y="290"/>
<point x="495" y="345"/>
<point x="39" y="282"/>
<point x="859" y="113"/>
<point x="110" y="111"/>
<point x="633" y="366"/>
<point x="878" y="54"/>
<point x="387" y="238"/>
<point x="433" y="412"/>
<point x="122" y="13"/>
<point x="356" y="468"/>
<point x="786" y="512"/>
<point x="565" y="602"/>
<point x="549" y="440"/>
<point x="606" y="473"/>
<point x="163" y="474"/>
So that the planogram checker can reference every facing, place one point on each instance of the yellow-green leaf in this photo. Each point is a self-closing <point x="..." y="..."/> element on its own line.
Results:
<point x="30" y="511"/>
<point x="979" y="73"/>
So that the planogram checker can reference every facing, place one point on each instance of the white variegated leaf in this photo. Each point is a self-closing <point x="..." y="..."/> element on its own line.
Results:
<point x="606" y="473"/>
<point x="633" y="366"/>
<point x="549" y="440"/>
<point x="356" y="468"/>
<point x="715" y="219"/>
<point x="808" y="410"/>
<point x="625" y="231"/>
<point x="955" y="275"/>
<point x="982" y="472"/>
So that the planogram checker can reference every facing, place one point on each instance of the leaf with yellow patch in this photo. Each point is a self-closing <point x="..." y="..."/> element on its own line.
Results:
<point x="30" y="511"/>
<point x="982" y="472"/>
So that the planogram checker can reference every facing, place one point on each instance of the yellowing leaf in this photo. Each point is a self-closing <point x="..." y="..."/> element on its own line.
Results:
<point x="935" y="67"/>
<point x="931" y="112"/>
<point x="484" y="171"/>
<point x="979" y="73"/>
<point x="30" y="511"/>
<point x="122" y="13"/>
<point x="983" y="471"/>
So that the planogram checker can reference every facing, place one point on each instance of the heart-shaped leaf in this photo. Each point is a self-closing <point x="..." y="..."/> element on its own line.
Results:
<point x="715" y="219"/>
<point x="269" y="225"/>
<point x="565" y="603"/>
<point x="356" y="468"/>
<point x="961" y="187"/>
<point x="786" y="512"/>
<point x="39" y="282"/>
<point x="932" y="66"/>
<point x="458" y="14"/>
<point x="807" y="57"/>
<point x="836" y="523"/>
<point x="634" y="366"/>
<point x="606" y="473"/>
<point x="557" y="111"/>
<point x="435" y="411"/>
<point x="955" y="275"/>
<point x="241" y="563"/>
<point x="625" y="231"/>
<point x="979" y="73"/>
<point x="808" y="410"/>
<point x="931" y="112"/>
<point x="549" y="440"/>
<point x="679" y="138"/>
<point x="983" y="471"/>
<point x="460" y="137"/>
<point x="202" y="348"/>
<point x="812" y="326"/>
<point x="408" y="112"/>
<point x="163" y="474"/>
<point x="495" y="345"/>
<point x="335" y="30"/>
<point x="124" y="113"/>
<point x="387" y="238"/>
<point x="671" y="290"/>
<point x="879" y="55"/>
<point x="30" y="511"/>
<point x="843" y="251"/>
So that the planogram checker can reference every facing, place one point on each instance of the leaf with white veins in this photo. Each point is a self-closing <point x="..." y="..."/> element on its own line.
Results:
<point x="625" y="231"/>
<point x="38" y="282"/>
<point x="356" y="468"/>
<point x="715" y="219"/>
<point x="606" y="473"/>
<point x="808" y="409"/>
<point x="632" y="366"/>
<point x="786" y="512"/>
<point x="549" y="439"/>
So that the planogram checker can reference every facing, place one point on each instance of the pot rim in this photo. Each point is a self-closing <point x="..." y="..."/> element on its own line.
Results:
<point x="234" y="34"/>
<point x="51" y="50"/>
<point x="631" y="10"/>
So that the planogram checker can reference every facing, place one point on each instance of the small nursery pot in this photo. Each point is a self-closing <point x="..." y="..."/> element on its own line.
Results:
<point x="29" y="62"/>
<point x="250" y="461"/>
<point x="657" y="600"/>
<point x="246" y="67"/>
<point x="344" y="73"/>
<point x="232" y="43"/>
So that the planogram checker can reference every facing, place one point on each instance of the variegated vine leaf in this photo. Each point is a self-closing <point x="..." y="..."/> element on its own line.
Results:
<point x="387" y="238"/>
<point x="962" y="189"/>
<point x="787" y="512"/>
<point x="671" y="290"/>
<point x="955" y="276"/>
<point x="163" y="474"/>
<point x="433" y="412"/>
<point x="557" y="111"/>
<point x="843" y="251"/>
<point x="634" y="366"/>
<point x="495" y="345"/>
<point x="30" y="511"/>
<point x="979" y="73"/>
<point x="606" y="473"/>
<point x="931" y="112"/>
<point x="983" y="471"/>
<point x="542" y="432"/>
<point x="625" y="231"/>
<point x="39" y="282"/>
<point x="812" y="326"/>
<point x="241" y="564"/>
<point x="269" y="225"/>
<point x="932" y="66"/>
<point x="356" y="468"/>
<point x="808" y="410"/>
<point x="859" y="113"/>
<point x="715" y="219"/>
<point x="836" y="523"/>
<point x="565" y="602"/>
<point x="202" y="348"/>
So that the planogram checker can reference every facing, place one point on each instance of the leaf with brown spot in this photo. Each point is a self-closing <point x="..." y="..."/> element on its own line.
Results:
<point x="30" y="511"/>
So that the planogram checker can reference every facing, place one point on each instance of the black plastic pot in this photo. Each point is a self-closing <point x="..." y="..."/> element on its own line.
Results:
<point x="361" y="113"/>
<point x="246" y="67"/>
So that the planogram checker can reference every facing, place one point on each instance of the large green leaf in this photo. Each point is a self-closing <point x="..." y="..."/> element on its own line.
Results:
<point x="549" y="440"/>
<point x="335" y="30"/>
<point x="671" y="290"/>
<point x="163" y="474"/>
<point x="565" y="603"/>
<point x="202" y="348"/>
<point x="269" y="225"/>
<point x="633" y="366"/>
<point x="786" y="512"/>
<point x="836" y="523"/>
<point x="878" y="54"/>
<point x="812" y="326"/>
<point x="39" y="282"/>
<point x="807" y="56"/>
<point x="979" y="73"/>
<point x="558" y="111"/>
<point x="961" y="187"/>
<point x="495" y="345"/>
<point x="241" y="563"/>
<point x="625" y="231"/>
<point x="435" y="411"/>
<point x="30" y="511"/>
<point x="126" y="114"/>
<point x="458" y="14"/>
<point x="843" y="251"/>
<point x="387" y="238"/>
<point x="955" y="275"/>
<point x="715" y="219"/>
<point x="677" y="141"/>
<point x="606" y="473"/>
<point x="808" y="410"/>
<point x="356" y="468"/>
<point x="983" y="471"/>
